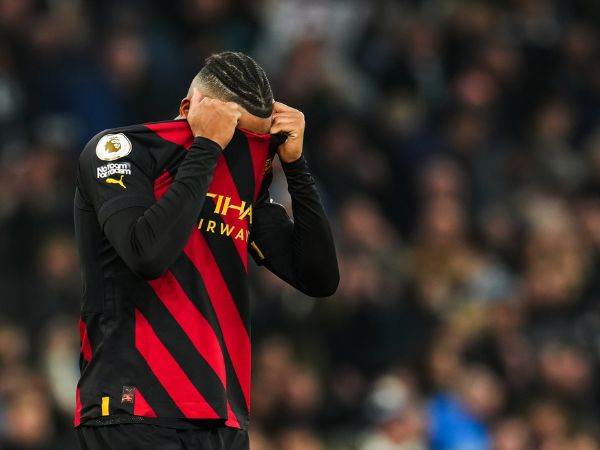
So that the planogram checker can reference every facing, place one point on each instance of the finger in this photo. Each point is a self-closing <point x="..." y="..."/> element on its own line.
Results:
<point x="281" y="107"/>
<point x="281" y="128"/>
<point x="275" y="128"/>
<point x="237" y="113"/>
<point x="283" y="120"/>
<point x="289" y="118"/>
<point x="234" y="109"/>
<point x="290" y="134"/>
<point x="295" y="115"/>
<point x="286" y="123"/>
<point x="198" y="97"/>
<point x="286" y="118"/>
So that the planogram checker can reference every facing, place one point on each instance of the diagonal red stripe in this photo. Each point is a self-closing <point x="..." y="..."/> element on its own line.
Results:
<point x="77" y="418"/>
<point x="223" y="184"/>
<point x="178" y="132"/>
<point x="259" y="151"/>
<point x="193" y="323"/>
<point x="235" y="335"/>
<point x="231" y="419"/>
<point x="141" y="407"/>
<point x="161" y="184"/>
<point x="86" y="348"/>
<point x="175" y="131"/>
<point x="169" y="373"/>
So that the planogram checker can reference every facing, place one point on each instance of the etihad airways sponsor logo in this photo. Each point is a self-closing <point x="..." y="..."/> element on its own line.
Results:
<point x="225" y="206"/>
<point x="224" y="229"/>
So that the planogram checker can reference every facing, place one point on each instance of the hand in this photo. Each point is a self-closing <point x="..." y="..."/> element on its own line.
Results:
<point x="213" y="119"/>
<point x="291" y="122"/>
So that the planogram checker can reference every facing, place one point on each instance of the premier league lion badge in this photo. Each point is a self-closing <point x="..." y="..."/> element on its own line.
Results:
<point x="113" y="146"/>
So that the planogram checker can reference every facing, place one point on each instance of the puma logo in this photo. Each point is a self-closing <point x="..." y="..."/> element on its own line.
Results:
<point x="115" y="181"/>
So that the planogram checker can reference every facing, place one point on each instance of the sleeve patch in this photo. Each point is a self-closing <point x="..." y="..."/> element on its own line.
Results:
<point x="113" y="146"/>
<point x="109" y="169"/>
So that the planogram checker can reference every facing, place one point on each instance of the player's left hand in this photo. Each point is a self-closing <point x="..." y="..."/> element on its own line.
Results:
<point x="291" y="122"/>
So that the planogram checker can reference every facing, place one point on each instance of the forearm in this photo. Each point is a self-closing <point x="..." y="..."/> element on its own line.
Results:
<point x="313" y="260"/>
<point x="149" y="240"/>
<point x="301" y="252"/>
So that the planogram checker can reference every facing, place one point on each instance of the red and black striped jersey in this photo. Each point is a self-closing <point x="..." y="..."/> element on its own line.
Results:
<point x="176" y="346"/>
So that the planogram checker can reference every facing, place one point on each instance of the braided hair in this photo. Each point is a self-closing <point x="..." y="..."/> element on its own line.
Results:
<point x="235" y="77"/>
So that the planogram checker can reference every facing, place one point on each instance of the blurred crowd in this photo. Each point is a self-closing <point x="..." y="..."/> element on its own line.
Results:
<point x="457" y="148"/>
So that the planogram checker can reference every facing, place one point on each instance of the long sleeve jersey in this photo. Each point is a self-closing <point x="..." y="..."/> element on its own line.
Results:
<point x="164" y="225"/>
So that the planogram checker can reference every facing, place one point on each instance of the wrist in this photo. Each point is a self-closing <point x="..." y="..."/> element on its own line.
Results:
<point x="203" y="133"/>
<point x="298" y="163"/>
<point x="204" y="142"/>
<point x="289" y="159"/>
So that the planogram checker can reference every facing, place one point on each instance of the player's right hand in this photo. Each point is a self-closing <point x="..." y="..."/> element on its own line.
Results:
<point x="213" y="119"/>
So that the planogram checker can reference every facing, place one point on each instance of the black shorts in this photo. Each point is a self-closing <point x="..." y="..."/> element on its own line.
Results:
<point x="133" y="436"/>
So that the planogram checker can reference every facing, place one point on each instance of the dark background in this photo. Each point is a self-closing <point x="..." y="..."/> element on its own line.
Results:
<point x="457" y="147"/>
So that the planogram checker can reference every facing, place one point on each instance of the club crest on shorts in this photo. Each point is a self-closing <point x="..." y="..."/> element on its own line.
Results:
<point x="113" y="146"/>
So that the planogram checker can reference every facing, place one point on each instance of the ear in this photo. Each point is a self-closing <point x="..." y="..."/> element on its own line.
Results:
<point x="184" y="107"/>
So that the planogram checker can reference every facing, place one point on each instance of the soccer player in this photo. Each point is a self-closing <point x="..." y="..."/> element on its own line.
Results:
<point x="165" y="216"/>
